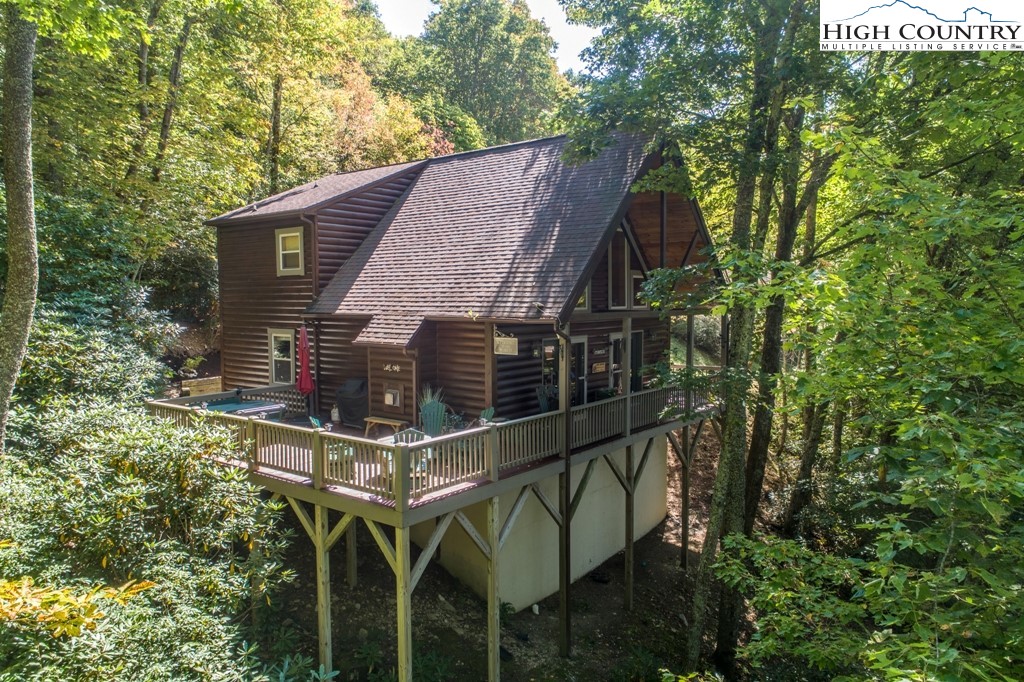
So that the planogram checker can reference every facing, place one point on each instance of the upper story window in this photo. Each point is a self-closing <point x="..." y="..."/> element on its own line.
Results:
<point x="289" y="251"/>
<point x="618" y="270"/>
<point x="583" y="302"/>
<point x="626" y="273"/>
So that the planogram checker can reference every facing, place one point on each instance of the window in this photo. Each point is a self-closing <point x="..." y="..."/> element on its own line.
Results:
<point x="638" y="290"/>
<point x="625" y="273"/>
<point x="282" y="356"/>
<point x="583" y="302"/>
<point x="289" y="251"/>
<point x="618" y="258"/>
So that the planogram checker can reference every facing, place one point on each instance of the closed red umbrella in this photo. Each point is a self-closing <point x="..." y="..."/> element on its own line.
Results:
<point x="304" y="382"/>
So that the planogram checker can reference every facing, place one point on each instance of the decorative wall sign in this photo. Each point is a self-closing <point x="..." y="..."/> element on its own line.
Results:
<point x="505" y="344"/>
<point x="599" y="368"/>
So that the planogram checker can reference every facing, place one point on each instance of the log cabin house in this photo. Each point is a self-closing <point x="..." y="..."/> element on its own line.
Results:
<point x="475" y="273"/>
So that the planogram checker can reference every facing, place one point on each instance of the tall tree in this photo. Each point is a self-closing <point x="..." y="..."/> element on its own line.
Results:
<point x="736" y="85"/>
<point x="22" y="257"/>
<point x="493" y="60"/>
<point x="86" y="27"/>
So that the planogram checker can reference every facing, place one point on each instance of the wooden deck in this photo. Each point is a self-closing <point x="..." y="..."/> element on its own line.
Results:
<point x="399" y="484"/>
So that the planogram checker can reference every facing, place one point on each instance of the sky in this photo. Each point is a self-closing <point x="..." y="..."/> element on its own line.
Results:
<point x="406" y="17"/>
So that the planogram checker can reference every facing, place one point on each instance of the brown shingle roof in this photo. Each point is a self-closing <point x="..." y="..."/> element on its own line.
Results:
<point x="311" y="195"/>
<point x="390" y="329"/>
<point x="503" y="233"/>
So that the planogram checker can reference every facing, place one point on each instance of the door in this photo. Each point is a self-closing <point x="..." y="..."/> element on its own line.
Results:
<point x="578" y="372"/>
<point x="636" y="362"/>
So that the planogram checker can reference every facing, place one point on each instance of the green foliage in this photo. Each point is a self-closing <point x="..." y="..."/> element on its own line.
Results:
<point x="81" y="347"/>
<point x="104" y="494"/>
<point x="492" y="60"/>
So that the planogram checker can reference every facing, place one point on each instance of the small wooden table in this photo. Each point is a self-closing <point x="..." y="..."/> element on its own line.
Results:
<point x="374" y="422"/>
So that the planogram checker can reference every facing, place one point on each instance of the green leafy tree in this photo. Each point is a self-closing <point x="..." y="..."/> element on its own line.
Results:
<point x="493" y="61"/>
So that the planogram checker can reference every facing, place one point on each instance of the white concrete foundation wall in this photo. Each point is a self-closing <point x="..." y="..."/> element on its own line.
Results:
<point x="528" y="569"/>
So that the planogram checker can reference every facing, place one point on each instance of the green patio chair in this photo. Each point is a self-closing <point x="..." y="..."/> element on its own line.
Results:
<point x="486" y="415"/>
<point x="432" y="417"/>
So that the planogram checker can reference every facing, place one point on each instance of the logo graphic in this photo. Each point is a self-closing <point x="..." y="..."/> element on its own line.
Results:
<point x="920" y="25"/>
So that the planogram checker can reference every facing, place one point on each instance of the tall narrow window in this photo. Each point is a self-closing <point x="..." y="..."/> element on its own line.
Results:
<point x="289" y="251"/>
<point x="282" y="356"/>
<point x="617" y="260"/>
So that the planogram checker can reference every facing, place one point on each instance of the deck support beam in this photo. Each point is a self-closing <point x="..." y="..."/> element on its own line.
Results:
<point x="564" y="496"/>
<point x="493" y="599"/>
<point x="403" y="589"/>
<point x="323" y="584"/>
<point x="628" y="598"/>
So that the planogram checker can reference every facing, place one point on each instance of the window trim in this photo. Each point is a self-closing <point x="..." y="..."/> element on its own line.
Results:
<point x="271" y="334"/>
<point x="279" y="235"/>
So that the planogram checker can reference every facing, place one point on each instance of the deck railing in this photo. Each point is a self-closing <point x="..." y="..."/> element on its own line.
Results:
<point x="598" y="421"/>
<point x="528" y="440"/>
<point x="403" y="473"/>
<point x="449" y="461"/>
<point x="358" y="463"/>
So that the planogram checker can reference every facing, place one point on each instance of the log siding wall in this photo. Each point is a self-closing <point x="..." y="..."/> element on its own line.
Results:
<point x="339" y="359"/>
<point x="254" y="299"/>
<point x="343" y="225"/>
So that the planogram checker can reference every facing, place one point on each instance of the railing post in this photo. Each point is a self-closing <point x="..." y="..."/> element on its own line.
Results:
<point x="400" y="481"/>
<point x="318" y="459"/>
<point x="493" y="454"/>
<point x="250" y="437"/>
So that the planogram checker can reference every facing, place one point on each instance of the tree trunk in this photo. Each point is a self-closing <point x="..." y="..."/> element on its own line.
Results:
<point x="726" y="512"/>
<point x="274" y="143"/>
<point x="173" y="89"/>
<point x="771" y="345"/>
<point x="801" y="496"/>
<point x="22" y="255"/>
<point x="143" y="78"/>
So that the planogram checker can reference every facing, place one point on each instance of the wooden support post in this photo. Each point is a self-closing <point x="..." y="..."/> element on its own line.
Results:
<point x="494" y="461"/>
<point x="627" y="371"/>
<point x="493" y="598"/>
<point x="351" y="556"/>
<point x="628" y="600"/>
<point x="565" y="499"/>
<point x="689" y="366"/>
<point x="403" y="570"/>
<point x="319" y="459"/>
<point x="323" y="585"/>
<point x="401" y="479"/>
<point x="564" y="575"/>
<point x="250" y="443"/>
<point x="684" y="486"/>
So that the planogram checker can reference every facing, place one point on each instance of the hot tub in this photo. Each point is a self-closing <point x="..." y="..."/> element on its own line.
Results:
<point x="264" y="409"/>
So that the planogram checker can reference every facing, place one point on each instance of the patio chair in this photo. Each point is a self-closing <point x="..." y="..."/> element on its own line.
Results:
<point x="432" y="417"/>
<point x="409" y="436"/>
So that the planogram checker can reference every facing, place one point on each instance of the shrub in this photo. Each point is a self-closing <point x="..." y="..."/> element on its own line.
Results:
<point x="82" y="346"/>
<point x="103" y="495"/>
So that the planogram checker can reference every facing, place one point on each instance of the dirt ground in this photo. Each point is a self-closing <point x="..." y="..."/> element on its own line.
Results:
<point x="449" y="627"/>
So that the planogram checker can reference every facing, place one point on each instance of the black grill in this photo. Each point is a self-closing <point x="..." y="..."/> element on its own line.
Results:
<point x="353" y="402"/>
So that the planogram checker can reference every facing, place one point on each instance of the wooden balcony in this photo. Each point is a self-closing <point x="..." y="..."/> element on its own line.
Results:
<point x="401" y="484"/>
